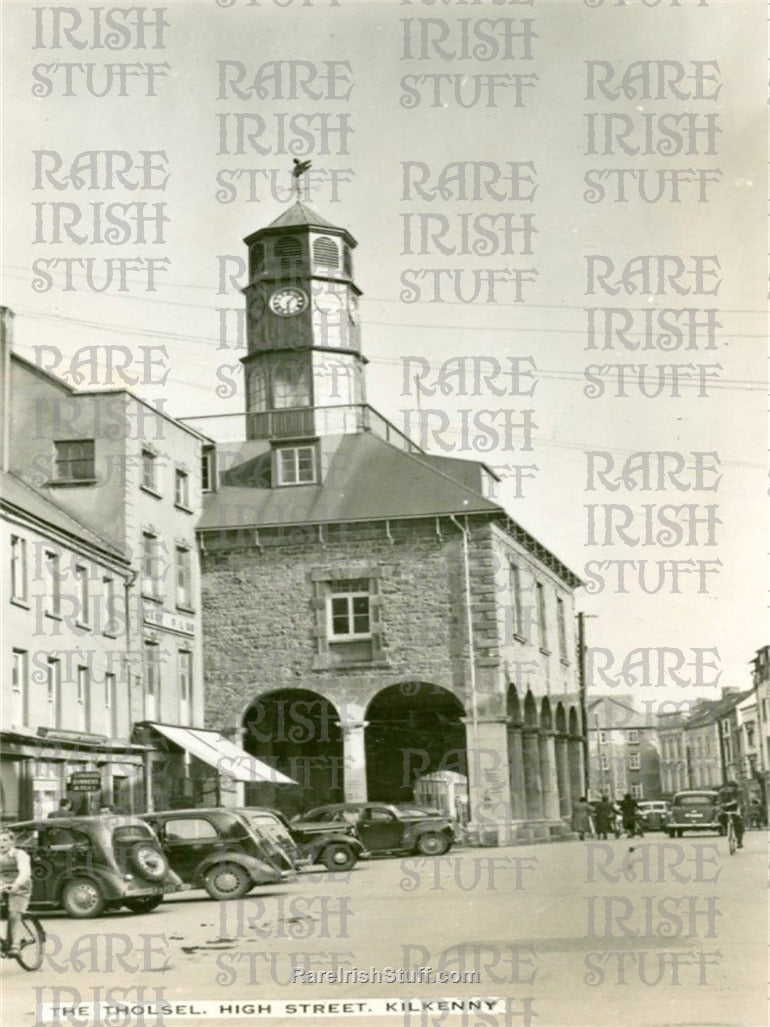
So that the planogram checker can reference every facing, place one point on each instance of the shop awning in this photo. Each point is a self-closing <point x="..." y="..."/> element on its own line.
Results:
<point x="222" y="754"/>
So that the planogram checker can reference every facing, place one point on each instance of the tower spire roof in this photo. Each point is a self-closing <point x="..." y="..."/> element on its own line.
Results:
<point x="299" y="215"/>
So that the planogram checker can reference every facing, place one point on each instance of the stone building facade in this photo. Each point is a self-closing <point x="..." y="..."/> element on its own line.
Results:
<point x="370" y="614"/>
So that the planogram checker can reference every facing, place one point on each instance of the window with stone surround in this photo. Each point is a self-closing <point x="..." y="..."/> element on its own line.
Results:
<point x="348" y="622"/>
<point x="296" y="465"/>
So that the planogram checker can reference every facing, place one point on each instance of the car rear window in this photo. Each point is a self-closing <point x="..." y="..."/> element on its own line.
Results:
<point x="130" y="833"/>
<point x="694" y="800"/>
<point x="271" y="826"/>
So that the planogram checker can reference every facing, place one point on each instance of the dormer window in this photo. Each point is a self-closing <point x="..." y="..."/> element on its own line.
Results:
<point x="291" y="385"/>
<point x="325" y="252"/>
<point x="257" y="390"/>
<point x="296" y="465"/>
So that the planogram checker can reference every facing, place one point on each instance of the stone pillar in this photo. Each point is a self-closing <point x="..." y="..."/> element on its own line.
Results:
<point x="488" y="774"/>
<point x="563" y="777"/>
<point x="354" y="757"/>
<point x="577" y="784"/>
<point x="516" y="773"/>
<point x="533" y="792"/>
<point x="548" y="775"/>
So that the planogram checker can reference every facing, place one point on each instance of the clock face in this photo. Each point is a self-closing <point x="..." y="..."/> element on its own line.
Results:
<point x="328" y="302"/>
<point x="288" y="301"/>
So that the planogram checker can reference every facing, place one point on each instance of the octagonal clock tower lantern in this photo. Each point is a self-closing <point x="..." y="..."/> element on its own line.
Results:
<point x="304" y="370"/>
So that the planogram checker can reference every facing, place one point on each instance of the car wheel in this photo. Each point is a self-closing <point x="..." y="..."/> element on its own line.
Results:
<point x="151" y="863"/>
<point x="82" y="897"/>
<point x="227" y="881"/>
<point x="432" y="844"/>
<point x="339" y="857"/>
<point x="144" y="904"/>
<point x="671" y="834"/>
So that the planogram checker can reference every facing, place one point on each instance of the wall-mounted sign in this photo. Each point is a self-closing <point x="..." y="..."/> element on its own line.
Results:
<point x="85" y="781"/>
<point x="160" y="618"/>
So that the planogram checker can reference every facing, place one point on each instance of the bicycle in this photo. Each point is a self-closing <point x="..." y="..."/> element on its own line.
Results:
<point x="30" y="948"/>
<point x="732" y="838"/>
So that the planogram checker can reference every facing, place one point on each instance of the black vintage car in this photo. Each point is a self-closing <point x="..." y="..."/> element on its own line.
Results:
<point x="226" y="851"/>
<point x="385" y="829"/>
<point x="334" y="844"/>
<point x="87" y="865"/>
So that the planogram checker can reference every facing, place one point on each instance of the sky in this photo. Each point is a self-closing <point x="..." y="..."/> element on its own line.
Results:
<point x="671" y="90"/>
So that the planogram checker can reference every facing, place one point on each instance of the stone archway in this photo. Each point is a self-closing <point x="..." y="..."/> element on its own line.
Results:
<point x="297" y="731"/>
<point x="413" y="728"/>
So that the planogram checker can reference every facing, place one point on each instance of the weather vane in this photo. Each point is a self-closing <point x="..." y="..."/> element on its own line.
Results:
<point x="300" y="167"/>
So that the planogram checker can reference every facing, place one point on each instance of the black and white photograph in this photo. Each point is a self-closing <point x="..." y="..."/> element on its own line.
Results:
<point x="383" y="514"/>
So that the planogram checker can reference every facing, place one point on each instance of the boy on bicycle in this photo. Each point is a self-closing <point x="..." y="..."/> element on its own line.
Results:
<point x="729" y="800"/>
<point x="16" y="883"/>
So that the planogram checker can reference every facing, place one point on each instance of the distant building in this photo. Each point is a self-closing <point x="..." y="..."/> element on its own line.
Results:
<point x="623" y="749"/>
<point x="701" y="747"/>
<point x="759" y="751"/>
<point x="371" y="614"/>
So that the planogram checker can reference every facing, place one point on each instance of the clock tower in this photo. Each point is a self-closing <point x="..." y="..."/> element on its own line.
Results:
<point x="304" y="370"/>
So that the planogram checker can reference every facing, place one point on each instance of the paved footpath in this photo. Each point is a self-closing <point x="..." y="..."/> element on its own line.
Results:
<point x="673" y="934"/>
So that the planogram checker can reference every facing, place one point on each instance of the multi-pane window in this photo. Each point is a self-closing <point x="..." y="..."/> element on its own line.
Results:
<point x="151" y="680"/>
<point x="111" y="704"/>
<point x="53" y="583"/>
<point x="637" y="791"/>
<point x="185" y="685"/>
<point x="290" y="385"/>
<point x="632" y="736"/>
<point x="296" y="465"/>
<point x="633" y="761"/>
<point x="257" y="390"/>
<point x="149" y="470"/>
<point x="52" y="692"/>
<point x="182" y="488"/>
<point x="603" y="737"/>
<point x="542" y="623"/>
<point x="75" y="460"/>
<point x="151" y="565"/>
<point x="183" y="577"/>
<point x="19" y="568"/>
<point x="514" y="575"/>
<point x="81" y="592"/>
<point x="349" y="610"/>
<point x="207" y="470"/>
<point x="604" y="761"/>
<point x="82" y="698"/>
<point x="562" y="629"/>
<point x="19" y="687"/>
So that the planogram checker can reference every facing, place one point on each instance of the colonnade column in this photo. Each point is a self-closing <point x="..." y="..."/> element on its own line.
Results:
<point x="354" y="759"/>
<point x="533" y="792"/>
<point x="516" y="772"/>
<point x="548" y="775"/>
<point x="563" y="777"/>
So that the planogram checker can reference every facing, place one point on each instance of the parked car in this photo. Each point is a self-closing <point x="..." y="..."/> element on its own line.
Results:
<point x="654" y="815"/>
<point x="384" y="829"/>
<point x="226" y="851"/>
<point x="334" y="844"/>
<point x="693" y="811"/>
<point x="87" y="865"/>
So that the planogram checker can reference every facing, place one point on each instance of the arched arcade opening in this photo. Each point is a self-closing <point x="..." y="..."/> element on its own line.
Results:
<point x="413" y="729"/>
<point x="297" y="731"/>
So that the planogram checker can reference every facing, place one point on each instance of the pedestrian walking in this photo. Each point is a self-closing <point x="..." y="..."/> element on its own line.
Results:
<point x="603" y="816"/>
<point x="581" y="818"/>
<point x="630" y="813"/>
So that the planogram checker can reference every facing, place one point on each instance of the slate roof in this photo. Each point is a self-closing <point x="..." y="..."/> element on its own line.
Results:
<point x="367" y="479"/>
<point x="299" y="215"/>
<point x="19" y="496"/>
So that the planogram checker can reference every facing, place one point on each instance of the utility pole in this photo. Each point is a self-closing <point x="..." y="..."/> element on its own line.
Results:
<point x="582" y="690"/>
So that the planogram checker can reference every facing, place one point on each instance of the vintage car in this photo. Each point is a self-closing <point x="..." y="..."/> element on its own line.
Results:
<point x="653" y="815"/>
<point x="87" y="865"/>
<point x="384" y="829"/>
<point x="693" y="811"/>
<point x="226" y="851"/>
<point x="335" y="844"/>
